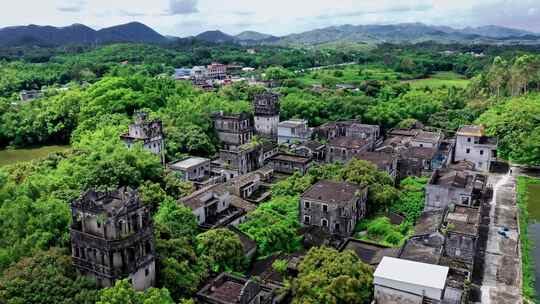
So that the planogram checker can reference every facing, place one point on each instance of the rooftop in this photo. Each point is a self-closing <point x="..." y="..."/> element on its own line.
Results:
<point x="291" y="158"/>
<point x="476" y="131"/>
<point x="349" y="142"/>
<point x="189" y="163"/>
<point x="429" y="222"/>
<point x="379" y="159"/>
<point x="410" y="272"/>
<point x="293" y="123"/>
<point x="332" y="192"/>
<point x="464" y="220"/>
<point x="311" y="144"/>
<point x="425" y="136"/>
<point x="369" y="253"/>
<point x="451" y="178"/>
<point x="425" y="249"/>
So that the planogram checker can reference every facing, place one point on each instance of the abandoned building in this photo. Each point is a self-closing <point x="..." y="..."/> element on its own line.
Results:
<point x="266" y="109"/>
<point x="289" y="163"/>
<point x="461" y="225"/>
<point x="249" y="246"/>
<point x="399" y="281"/>
<point x="447" y="237"/>
<point x="351" y="128"/>
<point x="192" y="168"/>
<point x="264" y="270"/>
<point x="473" y="145"/>
<point x="230" y="289"/>
<point x="112" y="238"/>
<point x="387" y="162"/>
<point x="334" y="206"/>
<point x="233" y="130"/>
<point x="293" y="131"/>
<point x="214" y="206"/>
<point x="312" y="149"/>
<point x="342" y="149"/>
<point x="454" y="186"/>
<point x="419" y="152"/>
<point x="147" y="132"/>
<point x="253" y="186"/>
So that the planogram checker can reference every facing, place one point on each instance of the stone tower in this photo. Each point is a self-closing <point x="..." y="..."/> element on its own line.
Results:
<point x="266" y="106"/>
<point x="112" y="238"/>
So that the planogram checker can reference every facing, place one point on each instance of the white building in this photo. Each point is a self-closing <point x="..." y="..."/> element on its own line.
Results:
<point x="399" y="281"/>
<point x="472" y="145"/>
<point x="293" y="131"/>
<point x="192" y="168"/>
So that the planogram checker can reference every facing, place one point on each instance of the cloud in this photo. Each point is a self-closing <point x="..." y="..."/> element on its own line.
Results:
<point x="73" y="6"/>
<point x="182" y="7"/>
<point x="400" y="8"/>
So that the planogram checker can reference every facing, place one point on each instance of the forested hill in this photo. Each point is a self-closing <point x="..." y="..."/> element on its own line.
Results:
<point x="35" y="35"/>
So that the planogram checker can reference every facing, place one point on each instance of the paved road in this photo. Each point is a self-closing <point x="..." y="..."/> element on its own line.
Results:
<point x="501" y="282"/>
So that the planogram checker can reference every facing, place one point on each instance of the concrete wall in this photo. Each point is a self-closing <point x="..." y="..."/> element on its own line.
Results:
<point x="145" y="277"/>
<point x="385" y="295"/>
<point x="267" y="125"/>
<point x="407" y="290"/>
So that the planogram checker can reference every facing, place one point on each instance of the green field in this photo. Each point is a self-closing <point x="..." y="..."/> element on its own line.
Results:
<point x="352" y="74"/>
<point x="12" y="156"/>
<point x="440" y="79"/>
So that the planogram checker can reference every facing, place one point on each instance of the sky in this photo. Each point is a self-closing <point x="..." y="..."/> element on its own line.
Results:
<point x="276" y="17"/>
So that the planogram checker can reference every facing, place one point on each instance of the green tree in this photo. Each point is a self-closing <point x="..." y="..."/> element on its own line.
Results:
<point x="223" y="249"/>
<point x="46" y="277"/>
<point x="328" y="276"/>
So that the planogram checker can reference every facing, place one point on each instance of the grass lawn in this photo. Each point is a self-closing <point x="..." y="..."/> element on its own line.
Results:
<point x="352" y="74"/>
<point x="439" y="79"/>
<point x="12" y="156"/>
<point x="528" y="197"/>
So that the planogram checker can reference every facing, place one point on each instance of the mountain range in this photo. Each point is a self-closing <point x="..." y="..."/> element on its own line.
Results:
<point x="34" y="35"/>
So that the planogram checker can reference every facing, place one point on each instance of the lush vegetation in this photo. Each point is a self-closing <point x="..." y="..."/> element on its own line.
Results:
<point x="328" y="276"/>
<point x="524" y="198"/>
<point x="107" y="85"/>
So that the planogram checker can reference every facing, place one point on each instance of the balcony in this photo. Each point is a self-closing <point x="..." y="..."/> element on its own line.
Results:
<point x="110" y="272"/>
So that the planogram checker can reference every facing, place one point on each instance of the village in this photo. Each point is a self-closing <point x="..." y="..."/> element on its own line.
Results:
<point x="461" y="238"/>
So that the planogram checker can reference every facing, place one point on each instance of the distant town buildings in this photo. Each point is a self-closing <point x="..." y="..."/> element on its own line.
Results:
<point x="147" y="132"/>
<point x="112" y="238"/>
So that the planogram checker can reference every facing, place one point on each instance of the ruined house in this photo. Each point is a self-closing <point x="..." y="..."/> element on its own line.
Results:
<point x="230" y="289"/>
<point x="289" y="163"/>
<point x="312" y="149"/>
<point x="343" y="149"/>
<point x="147" y="132"/>
<point x="454" y="186"/>
<point x="474" y="146"/>
<point x="386" y="162"/>
<point x="333" y="206"/>
<point x="233" y="130"/>
<point x="419" y="152"/>
<point x="350" y="128"/>
<point x="112" y="238"/>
